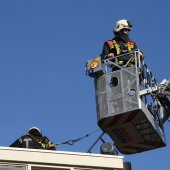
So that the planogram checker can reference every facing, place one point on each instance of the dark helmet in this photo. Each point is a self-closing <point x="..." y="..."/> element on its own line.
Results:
<point x="35" y="131"/>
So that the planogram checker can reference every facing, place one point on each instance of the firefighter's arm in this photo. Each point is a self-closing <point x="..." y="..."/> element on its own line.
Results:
<point x="48" y="144"/>
<point x="141" y="55"/>
<point x="106" y="52"/>
<point x="140" y="52"/>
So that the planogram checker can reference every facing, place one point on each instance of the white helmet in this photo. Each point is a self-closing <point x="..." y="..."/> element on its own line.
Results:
<point x="122" y="24"/>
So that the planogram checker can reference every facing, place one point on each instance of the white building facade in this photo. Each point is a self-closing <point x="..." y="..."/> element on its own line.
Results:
<point x="33" y="159"/>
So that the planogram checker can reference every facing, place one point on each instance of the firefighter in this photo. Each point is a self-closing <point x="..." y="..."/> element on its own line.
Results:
<point x="34" y="140"/>
<point x="121" y="43"/>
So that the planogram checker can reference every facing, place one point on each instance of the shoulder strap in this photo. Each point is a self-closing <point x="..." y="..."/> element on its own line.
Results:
<point x="43" y="146"/>
<point x="130" y="45"/>
<point x="118" y="50"/>
<point x="112" y="44"/>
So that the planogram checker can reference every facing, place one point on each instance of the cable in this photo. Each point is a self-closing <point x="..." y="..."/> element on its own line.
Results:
<point x="71" y="142"/>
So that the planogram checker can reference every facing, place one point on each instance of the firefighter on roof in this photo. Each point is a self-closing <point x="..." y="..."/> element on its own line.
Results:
<point x="121" y="43"/>
<point x="34" y="140"/>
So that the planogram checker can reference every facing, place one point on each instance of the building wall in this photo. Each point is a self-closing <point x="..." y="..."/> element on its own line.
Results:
<point x="33" y="159"/>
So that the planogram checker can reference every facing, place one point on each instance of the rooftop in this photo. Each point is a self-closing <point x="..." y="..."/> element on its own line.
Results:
<point x="34" y="159"/>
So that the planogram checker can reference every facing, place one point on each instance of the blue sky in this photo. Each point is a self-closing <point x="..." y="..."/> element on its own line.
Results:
<point x="44" y="45"/>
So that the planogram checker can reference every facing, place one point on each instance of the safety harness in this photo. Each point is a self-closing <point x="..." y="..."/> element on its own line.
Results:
<point x="113" y="44"/>
<point x="44" y="145"/>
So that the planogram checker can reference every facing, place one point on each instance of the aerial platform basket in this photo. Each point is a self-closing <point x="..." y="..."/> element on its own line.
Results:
<point x="121" y="111"/>
<point x="123" y="115"/>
